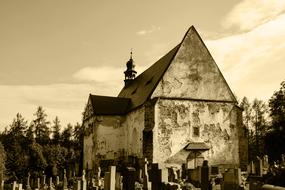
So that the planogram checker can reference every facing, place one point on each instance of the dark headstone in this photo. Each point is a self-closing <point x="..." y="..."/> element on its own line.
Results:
<point x="129" y="178"/>
<point x="205" y="184"/>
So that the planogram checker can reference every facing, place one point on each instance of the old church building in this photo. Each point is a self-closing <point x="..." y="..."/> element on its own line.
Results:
<point x="178" y="111"/>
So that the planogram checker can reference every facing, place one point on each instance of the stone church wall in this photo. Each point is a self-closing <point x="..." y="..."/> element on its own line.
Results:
<point x="113" y="138"/>
<point x="133" y="127"/>
<point x="104" y="140"/>
<point x="177" y="123"/>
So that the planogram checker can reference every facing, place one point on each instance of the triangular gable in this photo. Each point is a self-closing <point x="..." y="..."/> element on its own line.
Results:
<point x="88" y="112"/>
<point x="193" y="74"/>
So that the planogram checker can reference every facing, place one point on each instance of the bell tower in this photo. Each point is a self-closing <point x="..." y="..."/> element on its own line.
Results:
<point x="130" y="73"/>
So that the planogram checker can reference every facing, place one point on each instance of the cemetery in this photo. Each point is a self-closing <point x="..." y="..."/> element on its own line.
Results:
<point x="150" y="177"/>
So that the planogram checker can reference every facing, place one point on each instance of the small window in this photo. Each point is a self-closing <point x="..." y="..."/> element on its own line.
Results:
<point x="196" y="131"/>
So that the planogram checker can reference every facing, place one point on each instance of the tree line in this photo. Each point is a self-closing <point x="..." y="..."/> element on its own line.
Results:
<point x="265" y="122"/>
<point x="40" y="147"/>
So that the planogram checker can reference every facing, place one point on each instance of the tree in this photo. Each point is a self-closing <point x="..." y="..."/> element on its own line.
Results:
<point x="276" y="136"/>
<point x="18" y="126"/>
<point x="66" y="136"/>
<point x="78" y="135"/>
<point x="56" y="130"/>
<point x="277" y="109"/>
<point x="256" y="121"/>
<point x="40" y="125"/>
<point x="37" y="161"/>
<point x="2" y="161"/>
<point x="260" y="123"/>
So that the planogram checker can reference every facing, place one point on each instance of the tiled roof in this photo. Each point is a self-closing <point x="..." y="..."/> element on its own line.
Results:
<point x="106" y="105"/>
<point x="196" y="146"/>
<point x="141" y="88"/>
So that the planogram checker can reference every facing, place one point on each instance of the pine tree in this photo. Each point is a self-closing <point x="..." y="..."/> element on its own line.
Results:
<point x="40" y="125"/>
<point x="56" y="130"/>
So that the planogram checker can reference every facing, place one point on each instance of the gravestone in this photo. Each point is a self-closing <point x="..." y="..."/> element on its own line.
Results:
<point x="50" y="185"/>
<point x="20" y="186"/>
<point x="232" y="179"/>
<point x="38" y="183"/>
<point x="118" y="181"/>
<point x="107" y="177"/>
<point x="129" y="178"/>
<point x="2" y="184"/>
<point x="164" y="175"/>
<point x="146" y="182"/>
<point x="57" y="180"/>
<point x="259" y="167"/>
<point x="205" y="184"/>
<point x="112" y="177"/>
<point x="28" y="186"/>
<point x="155" y="177"/>
<point x="14" y="187"/>
<point x="77" y="185"/>
<point x="84" y="182"/>
<point x="64" y="185"/>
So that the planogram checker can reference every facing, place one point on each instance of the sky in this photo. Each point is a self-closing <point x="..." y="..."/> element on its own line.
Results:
<point x="53" y="53"/>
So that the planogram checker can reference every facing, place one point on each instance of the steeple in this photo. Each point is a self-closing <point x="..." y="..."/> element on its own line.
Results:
<point x="130" y="73"/>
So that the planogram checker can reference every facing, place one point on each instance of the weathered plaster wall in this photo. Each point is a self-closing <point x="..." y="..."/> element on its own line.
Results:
<point x="104" y="139"/>
<point x="193" y="74"/>
<point x="174" y="122"/>
<point x="133" y="127"/>
<point x="113" y="137"/>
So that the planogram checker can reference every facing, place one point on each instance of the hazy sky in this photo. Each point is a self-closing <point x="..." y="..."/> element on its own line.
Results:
<point x="54" y="53"/>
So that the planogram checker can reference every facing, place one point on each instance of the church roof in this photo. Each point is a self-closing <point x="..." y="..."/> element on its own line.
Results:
<point x="141" y="88"/>
<point x="106" y="105"/>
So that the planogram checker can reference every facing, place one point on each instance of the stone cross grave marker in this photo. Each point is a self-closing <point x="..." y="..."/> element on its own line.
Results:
<point x="64" y="185"/>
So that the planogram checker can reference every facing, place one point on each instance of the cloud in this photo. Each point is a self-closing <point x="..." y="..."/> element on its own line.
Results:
<point x="106" y="74"/>
<point x="66" y="101"/>
<point x="250" y="13"/>
<point x="253" y="62"/>
<point x="146" y="32"/>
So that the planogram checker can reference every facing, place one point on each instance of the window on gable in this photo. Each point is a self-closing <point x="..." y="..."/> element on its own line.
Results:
<point x="196" y="131"/>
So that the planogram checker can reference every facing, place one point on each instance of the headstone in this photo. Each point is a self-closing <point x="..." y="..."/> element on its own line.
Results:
<point x="50" y="185"/>
<point x="232" y="179"/>
<point x="77" y="185"/>
<point x="146" y="182"/>
<point x="20" y="186"/>
<point x="112" y="177"/>
<point x="28" y="186"/>
<point x="84" y="182"/>
<point x="155" y="177"/>
<point x="14" y="185"/>
<point x="205" y="184"/>
<point x="164" y="175"/>
<point x="64" y="185"/>
<point x="259" y="167"/>
<point x="107" y="177"/>
<point x="38" y="183"/>
<point x="118" y="181"/>
<point x="129" y="178"/>
<point x="57" y="180"/>
<point x="2" y="184"/>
